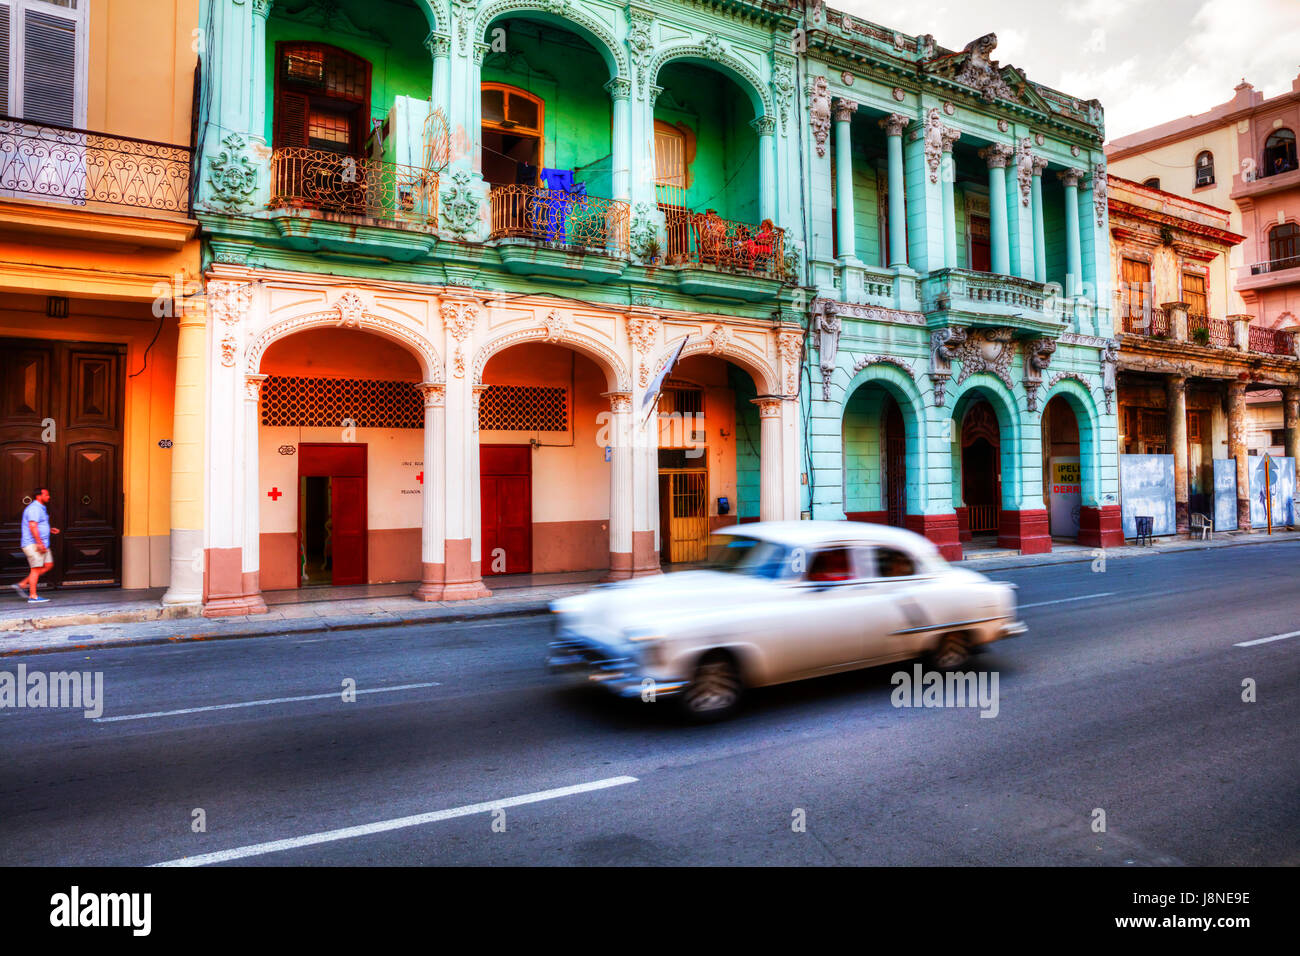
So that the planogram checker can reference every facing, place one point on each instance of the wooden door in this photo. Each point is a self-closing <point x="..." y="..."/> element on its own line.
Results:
<point x="688" y="515"/>
<point x="61" y="427"/>
<point x="981" y="259"/>
<point x="895" y="465"/>
<point x="345" y="464"/>
<point x="981" y="468"/>
<point x="1135" y="284"/>
<point x="506" y="506"/>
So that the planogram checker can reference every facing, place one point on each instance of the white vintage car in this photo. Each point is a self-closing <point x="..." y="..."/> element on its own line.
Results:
<point x="779" y="601"/>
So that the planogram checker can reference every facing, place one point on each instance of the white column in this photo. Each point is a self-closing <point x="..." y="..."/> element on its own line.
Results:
<point x="620" y="485"/>
<point x="620" y="93"/>
<point x="252" y="474"/>
<point x="765" y="126"/>
<point x="432" y="554"/>
<point x="770" y="484"/>
<point x="844" y="231"/>
<point x="464" y="528"/>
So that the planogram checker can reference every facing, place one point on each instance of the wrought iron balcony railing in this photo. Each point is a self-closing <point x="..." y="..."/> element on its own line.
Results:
<point x="76" y="166"/>
<point x="1274" y="265"/>
<point x="1271" y="341"/>
<point x="570" y="219"/>
<point x="1218" y="332"/>
<point x="1137" y="319"/>
<point x="709" y="240"/>
<point x="305" y="178"/>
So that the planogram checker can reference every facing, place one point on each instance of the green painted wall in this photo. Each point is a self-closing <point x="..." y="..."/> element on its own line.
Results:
<point x="1054" y="228"/>
<point x="862" y="450"/>
<point x="747" y="442"/>
<point x="724" y="174"/>
<point x="866" y="210"/>
<point x="568" y="75"/>
<point x="400" y="64"/>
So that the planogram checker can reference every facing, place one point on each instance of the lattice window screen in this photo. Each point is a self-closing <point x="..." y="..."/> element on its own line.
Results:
<point x="326" y="402"/>
<point x="525" y="408"/>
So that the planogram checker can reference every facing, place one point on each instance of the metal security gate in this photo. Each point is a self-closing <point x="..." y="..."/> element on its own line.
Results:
<point x="688" y="514"/>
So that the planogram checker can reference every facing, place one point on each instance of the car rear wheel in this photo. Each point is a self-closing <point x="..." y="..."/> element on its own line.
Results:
<point x="714" y="692"/>
<point x="952" y="651"/>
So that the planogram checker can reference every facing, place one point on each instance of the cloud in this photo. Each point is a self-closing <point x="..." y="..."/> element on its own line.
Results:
<point x="1092" y="11"/>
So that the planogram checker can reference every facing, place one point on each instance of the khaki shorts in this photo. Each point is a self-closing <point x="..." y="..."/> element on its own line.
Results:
<point x="37" y="558"/>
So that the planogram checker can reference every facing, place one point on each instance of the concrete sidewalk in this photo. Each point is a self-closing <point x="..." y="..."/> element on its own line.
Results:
<point x="117" y="618"/>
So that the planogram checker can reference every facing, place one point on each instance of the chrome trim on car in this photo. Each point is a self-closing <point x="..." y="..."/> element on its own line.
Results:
<point x="944" y="627"/>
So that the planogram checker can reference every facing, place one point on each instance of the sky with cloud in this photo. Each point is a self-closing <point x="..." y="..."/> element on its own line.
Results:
<point x="1148" y="62"/>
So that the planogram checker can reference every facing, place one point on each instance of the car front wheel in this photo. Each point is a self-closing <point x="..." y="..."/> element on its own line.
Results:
<point x="714" y="692"/>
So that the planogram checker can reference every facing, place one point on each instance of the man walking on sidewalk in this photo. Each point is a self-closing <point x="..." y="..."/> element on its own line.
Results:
<point x="36" y="545"/>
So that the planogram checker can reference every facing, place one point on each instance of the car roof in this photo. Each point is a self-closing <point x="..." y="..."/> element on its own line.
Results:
<point x="807" y="534"/>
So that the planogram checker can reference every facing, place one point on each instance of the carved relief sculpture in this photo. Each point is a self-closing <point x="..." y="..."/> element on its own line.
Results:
<point x="828" y="344"/>
<point x="944" y="344"/>
<point x="988" y="350"/>
<point x="1038" y="356"/>
<point x="819" y="112"/>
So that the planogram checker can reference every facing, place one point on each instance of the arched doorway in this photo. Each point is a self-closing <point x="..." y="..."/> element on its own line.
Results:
<point x="1062" y="469"/>
<point x="875" y="441"/>
<point x="341" y="461"/>
<point x="709" y="455"/>
<point x="981" y="469"/>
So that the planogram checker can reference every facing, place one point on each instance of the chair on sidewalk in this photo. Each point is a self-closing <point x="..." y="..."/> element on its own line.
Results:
<point x="1202" y="523"/>
<point x="1143" y="525"/>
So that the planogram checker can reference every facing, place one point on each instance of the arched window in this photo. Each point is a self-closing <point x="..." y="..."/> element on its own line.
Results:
<point x="513" y="124"/>
<point x="1279" y="152"/>
<point x="1205" y="168"/>
<point x="322" y="98"/>
<point x="1284" y="246"/>
<point x="1152" y="183"/>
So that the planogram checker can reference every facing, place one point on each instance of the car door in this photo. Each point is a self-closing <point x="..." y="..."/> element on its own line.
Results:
<point x="817" y="630"/>
<point x="911" y="605"/>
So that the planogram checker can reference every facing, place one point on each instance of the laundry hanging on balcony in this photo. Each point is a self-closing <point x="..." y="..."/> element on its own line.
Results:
<point x="554" y="205"/>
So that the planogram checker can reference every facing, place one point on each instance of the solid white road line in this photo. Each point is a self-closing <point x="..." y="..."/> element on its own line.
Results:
<point x="261" y="703"/>
<point x="1082" y="597"/>
<point x="1268" y="640"/>
<point x="382" y="826"/>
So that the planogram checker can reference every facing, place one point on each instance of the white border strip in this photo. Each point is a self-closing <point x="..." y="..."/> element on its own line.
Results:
<point x="1268" y="640"/>
<point x="1082" y="597"/>
<point x="348" y="833"/>
<point x="260" y="703"/>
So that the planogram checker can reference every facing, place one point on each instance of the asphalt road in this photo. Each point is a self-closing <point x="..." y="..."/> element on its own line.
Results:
<point x="1125" y="696"/>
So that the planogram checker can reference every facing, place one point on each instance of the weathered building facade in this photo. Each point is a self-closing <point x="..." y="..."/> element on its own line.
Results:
<point x="961" y="329"/>
<point x="1185" y="372"/>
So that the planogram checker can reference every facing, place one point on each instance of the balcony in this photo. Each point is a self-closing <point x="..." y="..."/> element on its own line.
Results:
<point x="1274" y="265"/>
<point x="1136" y="320"/>
<point x="1272" y="341"/>
<point x="327" y="201"/>
<point x="560" y="233"/>
<point x="1204" y="330"/>
<point x="724" y="258"/>
<point x="964" y="297"/>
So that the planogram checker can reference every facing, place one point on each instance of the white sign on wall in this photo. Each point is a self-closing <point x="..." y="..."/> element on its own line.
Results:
<point x="1065" y="496"/>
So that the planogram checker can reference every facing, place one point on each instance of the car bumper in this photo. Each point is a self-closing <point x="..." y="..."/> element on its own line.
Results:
<point x="1012" y="629"/>
<point x="582" y="661"/>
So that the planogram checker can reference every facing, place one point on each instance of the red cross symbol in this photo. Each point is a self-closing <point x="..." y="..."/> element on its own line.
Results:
<point x="420" y="477"/>
<point x="274" y="494"/>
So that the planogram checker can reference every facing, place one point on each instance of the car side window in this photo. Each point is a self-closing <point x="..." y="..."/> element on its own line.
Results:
<point x="830" y="565"/>
<point x="892" y="563"/>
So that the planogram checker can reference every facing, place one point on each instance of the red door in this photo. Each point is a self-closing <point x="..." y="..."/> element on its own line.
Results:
<point x="506" y="504"/>
<point x="345" y="466"/>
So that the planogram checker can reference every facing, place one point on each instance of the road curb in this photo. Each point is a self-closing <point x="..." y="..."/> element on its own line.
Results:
<point x="316" y="627"/>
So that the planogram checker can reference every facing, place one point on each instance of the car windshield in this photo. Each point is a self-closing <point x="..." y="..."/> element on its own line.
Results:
<point x="737" y="554"/>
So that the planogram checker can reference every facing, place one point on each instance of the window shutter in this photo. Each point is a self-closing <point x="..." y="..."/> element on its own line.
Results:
<point x="49" y="69"/>
<point x="4" y="59"/>
<point x="290" y="120"/>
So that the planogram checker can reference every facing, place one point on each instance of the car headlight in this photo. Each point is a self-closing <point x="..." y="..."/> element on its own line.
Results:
<point x="648" y="645"/>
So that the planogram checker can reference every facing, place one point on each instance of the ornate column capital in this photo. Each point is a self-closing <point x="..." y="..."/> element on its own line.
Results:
<point x="894" y="124"/>
<point x="620" y="403"/>
<point x="948" y="136"/>
<point x="437" y="44"/>
<point x="763" y="125"/>
<point x="1070" y="177"/>
<point x="434" y="394"/>
<point x="1040" y="163"/>
<point x="769" y="406"/>
<point x="253" y="386"/>
<point x="262" y="8"/>
<point x="619" y="88"/>
<point x="844" y="110"/>
<point x="997" y="155"/>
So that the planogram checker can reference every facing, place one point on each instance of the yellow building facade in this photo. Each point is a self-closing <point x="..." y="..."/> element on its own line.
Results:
<point x="98" y="251"/>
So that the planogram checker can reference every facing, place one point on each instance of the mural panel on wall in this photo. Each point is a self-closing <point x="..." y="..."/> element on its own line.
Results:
<point x="1225" y="494"/>
<point x="1146" y="487"/>
<point x="1281" y="485"/>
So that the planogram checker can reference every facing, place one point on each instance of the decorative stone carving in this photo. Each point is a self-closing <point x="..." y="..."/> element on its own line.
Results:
<point x="949" y="109"/>
<point x="437" y="45"/>
<point x="1025" y="170"/>
<point x="783" y="86"/>
<point x="229" y="349"/>
<point x="459" y="319"/>
<point x="933" y="142"/>
<point x="1099" y="193"/>
<point x="828" y="343"/>
<point x="925" y="46"/>
<point x="768" y="407"/>
<point x="1038" y="355"/>
<point x="764" y="125"/>
<point x="556" y="324"/>
<point x="350" y="309"/>
<point x="1003" y="126"/>
<point x="894" y="360"/>
<point x="846" y="78"/>
<point x="987" y="350"/>
<point x="458" y="209"/>
<point x="1039" y="164"/>
<point x="819" y="113"/>
<point x="253" y="387"/>
<point x="1073" y="376"/>
<point x="790" y="348"/>
<point x="713" y="47"/>
<point x="899" y="94"/>
<point x="640" y="44"/>
<point x="619" y="88"/>
<point x="1109" y="359"/>
<point x="1040" y="139"/>
<point x="981" y="72"/>
<point x="894" y="124"/>
<point x="642" y="332"/>
<point x="844" y="110"/>
<point x="228" y="302"/>
<point x="944" y="346"/>
<point x="434" y="394"/>
<point x="644" y="233"/>
<point x="1074" y="150"/>
<point x="232" y="175"/>
<point x="464" y="13"/>
<point x="719" y="338"/>
<point x="620" y="403"/>
<point x="1069" y="177"/>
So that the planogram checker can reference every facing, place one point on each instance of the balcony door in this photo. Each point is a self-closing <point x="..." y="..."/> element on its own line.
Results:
<point x="1134" y="290"/>
<point x="513" y="124"/>
<point x="981" y="258"/>
<point x="671" y="181"/>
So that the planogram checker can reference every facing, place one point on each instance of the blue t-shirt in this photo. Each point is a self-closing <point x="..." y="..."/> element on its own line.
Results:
<point x="36" y="512"/>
